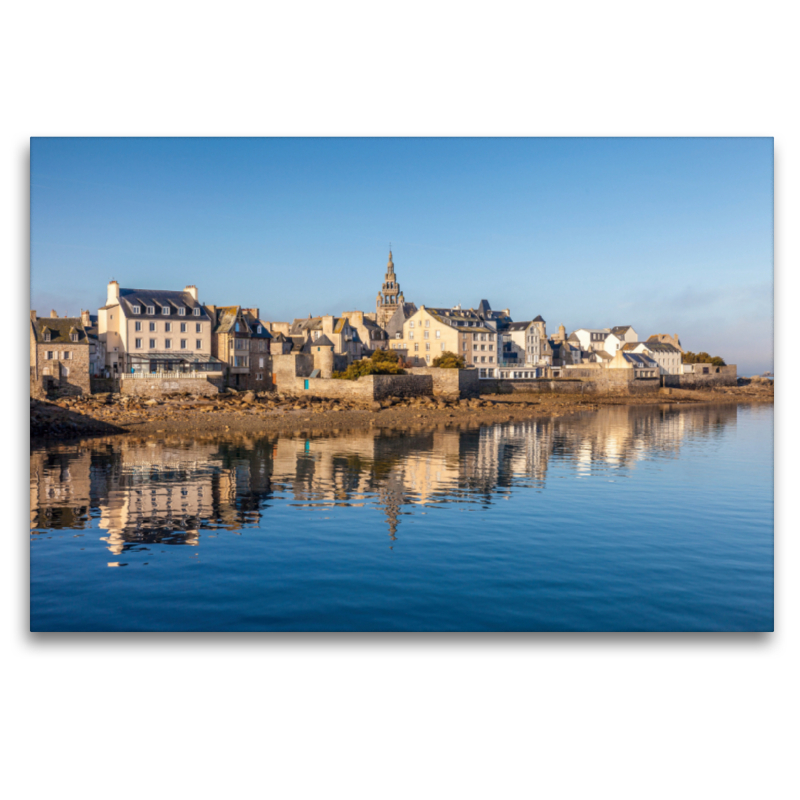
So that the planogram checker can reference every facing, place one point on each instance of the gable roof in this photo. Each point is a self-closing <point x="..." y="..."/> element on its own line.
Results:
<point x="661" y="347"/>
<point x="60" y="329"/>
<point x="620" y="329"/>
<point x="323" y="341"/>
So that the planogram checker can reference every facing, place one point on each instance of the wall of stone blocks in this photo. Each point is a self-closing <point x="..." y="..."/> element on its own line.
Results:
<point x="451" y="382"/>
<point x="158" y="387"/>
<point x="717" y="376"/>
<point x="401" y="385"/>
<point x="569" y="386"/>
<point x="365" y="389"/>
<point x="77" y="382"/>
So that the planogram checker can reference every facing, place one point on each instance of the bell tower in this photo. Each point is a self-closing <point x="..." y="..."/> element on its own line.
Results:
<point x="390" y="296"/>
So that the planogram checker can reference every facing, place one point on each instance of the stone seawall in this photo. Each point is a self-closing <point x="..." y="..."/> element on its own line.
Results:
<point x="570" y="386"/>
<point x="366" y="389"/>
<point x="716" y="376"/>
<point x="157" y="387"/>
<point x="451" y="382"/>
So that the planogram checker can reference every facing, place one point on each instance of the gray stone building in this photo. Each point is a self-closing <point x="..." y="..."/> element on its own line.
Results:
<point x="59" y="355"/>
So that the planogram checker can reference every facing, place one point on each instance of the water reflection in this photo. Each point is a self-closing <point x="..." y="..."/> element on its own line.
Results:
<point x="143" y="492"/>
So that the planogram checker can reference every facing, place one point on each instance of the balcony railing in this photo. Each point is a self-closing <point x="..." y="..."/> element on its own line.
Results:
<point x="166" y="375"/>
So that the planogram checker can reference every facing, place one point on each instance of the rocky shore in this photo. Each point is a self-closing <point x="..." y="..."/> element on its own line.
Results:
<point x="96" y="415"/>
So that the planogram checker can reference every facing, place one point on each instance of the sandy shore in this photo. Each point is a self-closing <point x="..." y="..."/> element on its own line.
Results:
<point x="246" y="413"/>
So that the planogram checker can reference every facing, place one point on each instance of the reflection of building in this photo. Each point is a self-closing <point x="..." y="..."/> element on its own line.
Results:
<point x="155" y="493"/>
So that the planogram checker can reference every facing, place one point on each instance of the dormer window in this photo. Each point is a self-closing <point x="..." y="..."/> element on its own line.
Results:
<point x="165" y="310"/>
<point x="181" y="312"/>
<point x="197" y="312"/>
<point x="47" y="336"/>
<point x="137" y="309"/>
<point x="258" y="329"/>
<point x="151" y="309"/>
<point x="74" y="337"/>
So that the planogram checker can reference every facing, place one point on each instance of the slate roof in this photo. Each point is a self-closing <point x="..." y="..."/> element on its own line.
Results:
<point x="538" y="318"/>
<point x="640" y="360"/>
<point x="620" y="329"/>
<point x="395" y="323"/>
<point x="227" y="317"/>
<point x="662" y="347"/>
<point x="323" y="341"/>
<point x="158" y="298"/>
<point x="60" y="328"/>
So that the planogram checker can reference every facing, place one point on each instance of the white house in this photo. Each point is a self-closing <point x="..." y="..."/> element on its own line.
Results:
<point x="667" y="356"/>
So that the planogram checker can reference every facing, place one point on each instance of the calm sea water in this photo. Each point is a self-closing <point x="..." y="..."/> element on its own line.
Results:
<point x="632" y="518"/>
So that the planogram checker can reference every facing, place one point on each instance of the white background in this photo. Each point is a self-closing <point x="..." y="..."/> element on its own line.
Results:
<point x="638" y="716"/>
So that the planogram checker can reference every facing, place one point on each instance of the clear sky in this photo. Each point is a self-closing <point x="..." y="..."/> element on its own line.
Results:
<point x="667" y="235"/>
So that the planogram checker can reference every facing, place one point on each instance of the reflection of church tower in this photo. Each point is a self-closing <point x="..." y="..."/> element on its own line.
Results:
<point x="391" y="497"/>
<point x="390" y="296"/>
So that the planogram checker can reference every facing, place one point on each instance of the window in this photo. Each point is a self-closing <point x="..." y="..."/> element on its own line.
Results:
<point x="198" y="344"/>
<point x="137" y="326"/>
<point x="183" y="327"/>
<point x="47" y="336"/>
<point x="491" y="347"/>
<point x="416" y="346"/>
<point x="483" y="347"/>
<point x="261" y="363"/>
<point x="411" y="334"/>
<point x="152" y="326"/>
<point x="152" y="344"/>
<point x="73" y="337"/>
<point x="465" y="344"/>
<point x="260" y="375"/>
<point x="168" y="344"/>
<point x="398" y="336"/>
<point x="196" y="312"/>
<point x="197" y="328"/>
<point x="67" y="354"/>
<point x="438" y="334"/>
<point x="49" y="355"/>
<point x="474" y="346"/>
<point x="425" y="334"/>
<point x="240" y="361"/>
<point x="483" y="359"/>
<point x="137" y="309"/>
<point x="65" y="371"/>
<point x="241" y="343"/>
<point x="138" y="344"/>
<point x="151" y="309"/>
<point x="181" y="312"/>
<point x="258" y="329"/>
<point x="427" y="323"/>
<point x="442" y="345"/>
<point x="427" y="345"/>
<point x="427" y="358"/>
<point x="490" y="373"/>
<point x="165" y="310"/>
<point x="411" y="323"/>
<point x="236" y="327"/>
<point x="183" y="344"/>
<point x="491" y="359"/>
<point x="167" y="326"/>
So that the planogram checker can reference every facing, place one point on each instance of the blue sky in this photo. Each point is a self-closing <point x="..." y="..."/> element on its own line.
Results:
<point x="667" y="235"/>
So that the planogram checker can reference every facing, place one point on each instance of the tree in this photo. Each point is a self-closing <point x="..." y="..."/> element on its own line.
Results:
<point x="702" y="358"/>
<point x="381" y="362"/>
<point x="448" y="360"/>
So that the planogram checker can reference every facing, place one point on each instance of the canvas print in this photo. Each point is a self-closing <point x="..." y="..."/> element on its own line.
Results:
<point x="401" y="384"/>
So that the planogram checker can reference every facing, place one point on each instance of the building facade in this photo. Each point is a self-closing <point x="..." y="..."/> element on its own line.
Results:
<point x="241" y="341"/>
<point x="59" y="354"/>
<point x="148" y="331"/>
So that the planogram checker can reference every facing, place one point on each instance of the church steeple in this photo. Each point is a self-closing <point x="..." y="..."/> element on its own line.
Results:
<point x="390" y="295"/>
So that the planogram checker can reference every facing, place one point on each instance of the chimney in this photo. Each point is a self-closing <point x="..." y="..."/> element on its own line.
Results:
<point x="252" y="311"/>
<point x="53" y="314"/>
<point x="113" y="294"/>
<point x="86" y="319"/>
<point x="33" y="315"/>
<point x="192" y="290"/>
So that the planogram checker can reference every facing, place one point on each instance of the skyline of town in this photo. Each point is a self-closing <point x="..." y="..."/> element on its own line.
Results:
<point x="664" y="235"/>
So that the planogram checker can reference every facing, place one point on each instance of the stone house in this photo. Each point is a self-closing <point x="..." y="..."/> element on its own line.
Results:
<point x="59" y="354"/>
<point x="242" y="342"/>
<point x="640" y="364"/>
<point x="373" y="336"/>
<point x="394" y="327"/>
<point x="155" y="332"/>
<point x="344" y="336"/>
<point x="97" y="347"/>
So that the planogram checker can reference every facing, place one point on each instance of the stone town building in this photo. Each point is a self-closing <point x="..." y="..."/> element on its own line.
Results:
<point x="152" y="331"/>
<point x="373" y="336"/>
<point x="389" y="297"/>
<point x="394" y="327"/>
<point x="241" y="341"/>
<point x="432" y="331"/>
<point x="344" y="336"/>
<point x="59" y="354"/>
<point x="97" y="347"/>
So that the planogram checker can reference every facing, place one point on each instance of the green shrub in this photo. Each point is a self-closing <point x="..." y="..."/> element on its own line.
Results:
<point x="448" y="360"/>
<point x="381" y="362"/>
